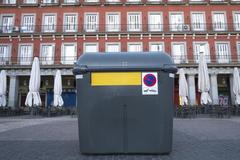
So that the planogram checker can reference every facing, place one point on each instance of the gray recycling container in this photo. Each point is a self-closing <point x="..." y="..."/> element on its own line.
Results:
<point x="125" y="102"/>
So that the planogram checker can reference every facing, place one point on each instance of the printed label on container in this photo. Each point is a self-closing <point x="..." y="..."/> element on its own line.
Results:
<point x="149" y="83"/>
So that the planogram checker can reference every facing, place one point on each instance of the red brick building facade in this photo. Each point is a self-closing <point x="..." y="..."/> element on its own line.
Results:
<point x="59" y="31"/>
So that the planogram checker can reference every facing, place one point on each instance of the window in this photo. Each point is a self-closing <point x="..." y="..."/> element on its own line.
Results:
<point x="135" y="47"/>
<point x="28" y="23"/>
<point x="219" y="21"/>
<point x="47" y="53"/>
<point x="112" y="1"/>
<point x="217" y="0"/>
<point x="201" y="48"/>
<point x="70" y="1"/>
<point x="113" y="22"/>
<point x="198" y="21"/>
<point x="179" y="52"/>
<point x="49" y="22"/>
<point x="69" y="53"/>
<point x="176" y="21"/>
<point x="133" y="1"/>
<point x="30" y="1"/>
<point x="113" y="47"/>
<point x="90" y="47"/>
<point x="91" y="22"/>
<point x="9" y="1"/>
<point x="154" y="0"/>
<point x="236" y="19"/>
<point x="155" y="21"/>
<point x="7" y="23"/>
<point x="134" y="21"/>
<point x="92" y="1"/>
<point x="222" y="52"/>
<point x="5" y="53"/>
<point x="70" y="22"/>
<point x="156" y="46"/>
<point x="238" y="50"/>
<point x="26" y="54"/>
<point x="49" y="1"/>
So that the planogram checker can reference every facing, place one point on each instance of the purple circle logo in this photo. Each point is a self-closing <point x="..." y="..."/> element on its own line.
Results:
<point x="149" y="80"/>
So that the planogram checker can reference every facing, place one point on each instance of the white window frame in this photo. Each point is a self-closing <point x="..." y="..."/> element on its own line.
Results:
<point x="28" y="2"/>
<point x="109" y="43"/>
<point x="225" y="26"/>
<point x="27" y="60"/>
<point x="202" y="25"/>
<point x="223" y="60"/>
<point x="238" y="50"/>
<point x="46" y="1"/>
<point x="64" y="22"/>
<point x="96" y="29"/>
<point x="69" y="60"/>
<point x="55" y="23"/>
<point x="236" y="25"/>
<point x="151" y="28"/>
<point x="90" y="43"/>
<point x="157" y="42"/>
<point x="7" y="2"/>
<point x="119" y="23"/>
<point x="91" y="1"/>
<point x="47" y="60"/>
<point x="6" y="60"/>
<point x="179" y="27"/>
<point x="132" y="43"/>
<point x="133" y="1"/>
<point x="112" y="1"/>
<point x="70" y="1"/>
<point x="9" y="29"/>
<point x="207" y="55"/>
<point x="183" y="58"/>
<point x="23" y="26"/>
<point x="140" y="24"/>
<point x="154" y="1"/>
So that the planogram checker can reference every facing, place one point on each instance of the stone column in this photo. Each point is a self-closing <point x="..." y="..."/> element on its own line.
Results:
<point x="214" y="88"/>
<point x="13" y="92"/>
<point x="191" y="89"/>
<point x="231" y="89"/>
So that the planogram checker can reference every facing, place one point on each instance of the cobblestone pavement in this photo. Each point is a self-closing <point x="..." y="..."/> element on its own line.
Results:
<point x="24" y="138"/>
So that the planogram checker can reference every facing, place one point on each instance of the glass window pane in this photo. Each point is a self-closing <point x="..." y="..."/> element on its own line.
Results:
<point x="113" y="47"/>
<point x="69" y="54"/>
<point x="26" y="54"/>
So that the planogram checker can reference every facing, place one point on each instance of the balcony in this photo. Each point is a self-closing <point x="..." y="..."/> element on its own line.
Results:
<point x="27" y="3"/>
<point x="69" y="2"/>
<point x="108" y="2"/>
<point x="121" y="29"/>
<point x="212" y="60"/>
<point x="49" y="2"/>
<point x="45" y="62"/>
<point x="51" y="62"/>
<point x="8" y="3"/>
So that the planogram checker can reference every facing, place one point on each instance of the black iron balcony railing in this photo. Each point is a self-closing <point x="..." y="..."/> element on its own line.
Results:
<point x="25" y="61"/>
<point x="214" y="59"/>
<point x="197" y="28"/>
<point x="70" y="60"/>
<point x="77" y="2"/>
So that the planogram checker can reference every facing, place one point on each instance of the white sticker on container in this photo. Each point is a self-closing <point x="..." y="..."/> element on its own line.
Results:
<point x="171" y="75"/>
<point x="149" y="83"/>
<point x="79" y="76"/>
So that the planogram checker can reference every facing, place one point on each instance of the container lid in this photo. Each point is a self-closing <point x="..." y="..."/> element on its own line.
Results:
<point x="140" y="61"/>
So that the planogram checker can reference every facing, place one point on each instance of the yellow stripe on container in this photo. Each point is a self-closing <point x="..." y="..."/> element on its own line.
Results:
<point x="116" y="79"/>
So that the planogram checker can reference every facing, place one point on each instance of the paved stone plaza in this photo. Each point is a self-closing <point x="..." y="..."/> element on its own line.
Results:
<point x="25" y="138"/>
